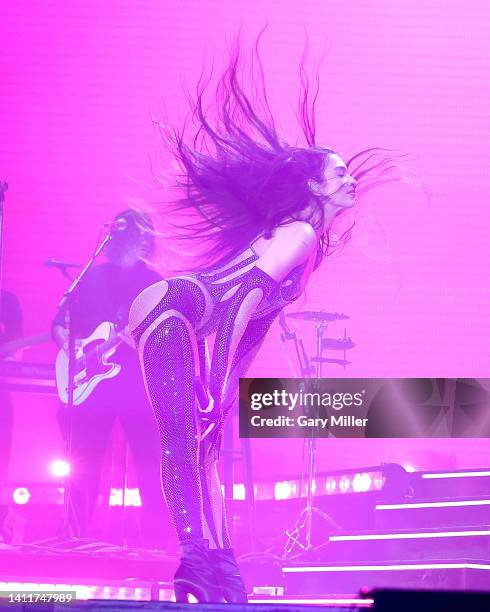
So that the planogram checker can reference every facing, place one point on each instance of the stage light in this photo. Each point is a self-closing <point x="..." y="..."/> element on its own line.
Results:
<point x="60" y="468"/>
<point x="138" y="594"/>
<point x="166" y="595"/>
<point x="361" y="483"/>
<point x="344" y="484"/>
<point x="410" y="536"/>
<point x="115" y="497"/>
<point x="389" y="567"/>
<point x="120" y="589"/>
<point x="408" y="467"/>
<point x="391" y="479"/>
<point x="131" y="498"/>
<point x="21" y="495"/>
<point x="462" y="474"/>
<point x="239" y="491"/>
<point x="313" y="487"/>
<point x="330" y="485"/>
<point x="283" y="490"/>
<point x="327" y="601"/>
<point x="378" y="481"/>
<point x="442" y="504"/>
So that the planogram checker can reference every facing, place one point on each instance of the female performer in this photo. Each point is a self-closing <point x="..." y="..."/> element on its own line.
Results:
<point x="263" y="209"/>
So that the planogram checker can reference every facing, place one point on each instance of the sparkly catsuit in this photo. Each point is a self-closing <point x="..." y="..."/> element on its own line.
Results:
<point x="171" y="343"/>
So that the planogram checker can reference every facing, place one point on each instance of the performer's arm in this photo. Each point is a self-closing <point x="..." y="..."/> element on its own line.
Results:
<point x="80" y="303"/>
<point x="59" y="335"/>
<point x="249" y="346"/>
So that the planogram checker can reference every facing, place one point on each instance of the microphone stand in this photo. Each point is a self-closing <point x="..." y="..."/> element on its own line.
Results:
<point x="68" y="298"/>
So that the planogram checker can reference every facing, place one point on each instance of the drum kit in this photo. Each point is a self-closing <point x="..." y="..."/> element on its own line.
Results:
<point x="322" y="319"/>
<point x="299" y="538"/>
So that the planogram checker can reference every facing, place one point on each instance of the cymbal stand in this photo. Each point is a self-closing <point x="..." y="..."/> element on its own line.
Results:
<point x="300" y="535"/>
<point x="305" y="367"/>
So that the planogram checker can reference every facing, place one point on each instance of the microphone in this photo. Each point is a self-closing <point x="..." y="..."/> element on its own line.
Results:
<point x="62" y="265"/>
<point x="118" y="225"/>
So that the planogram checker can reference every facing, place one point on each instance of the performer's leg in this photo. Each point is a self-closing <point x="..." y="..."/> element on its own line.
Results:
<point x="222" y="556"/>
<point x="213" y="504"/>
<point x="168" y="354"/>
<point x="168" y="357"/>
<point x="210" y="483"/>
<point x="214" y="507"/>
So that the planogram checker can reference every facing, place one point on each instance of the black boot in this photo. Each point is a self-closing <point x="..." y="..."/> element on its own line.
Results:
<point x="195" y="574"/>
<point x="228" y="575"/>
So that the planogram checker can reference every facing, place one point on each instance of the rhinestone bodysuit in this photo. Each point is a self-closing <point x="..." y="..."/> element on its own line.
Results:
<point x="172" y="349"/>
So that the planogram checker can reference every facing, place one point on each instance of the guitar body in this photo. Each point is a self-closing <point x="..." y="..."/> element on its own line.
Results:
<point x="92" y="364"/>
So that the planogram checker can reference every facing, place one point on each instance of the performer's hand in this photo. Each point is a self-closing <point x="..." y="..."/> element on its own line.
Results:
<point x="211" y="421"/>
<point x="210" y="443"/>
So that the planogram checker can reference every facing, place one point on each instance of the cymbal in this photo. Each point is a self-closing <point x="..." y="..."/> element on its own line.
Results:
<point x="342" y="362"/>
<point x="312" y="315"/>
<point x="338" y="344"/>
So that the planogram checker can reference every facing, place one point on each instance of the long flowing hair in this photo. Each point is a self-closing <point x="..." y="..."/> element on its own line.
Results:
<point x="237" y="177"/>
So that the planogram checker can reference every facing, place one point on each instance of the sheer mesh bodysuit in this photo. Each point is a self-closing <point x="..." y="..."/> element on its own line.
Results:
<point x="171" y="341"/>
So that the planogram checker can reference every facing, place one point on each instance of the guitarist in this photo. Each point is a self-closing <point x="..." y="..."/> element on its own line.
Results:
<point x="106" y="294"/>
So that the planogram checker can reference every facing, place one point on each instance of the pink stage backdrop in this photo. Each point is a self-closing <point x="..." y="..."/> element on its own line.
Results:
<point x="80" y="83"/>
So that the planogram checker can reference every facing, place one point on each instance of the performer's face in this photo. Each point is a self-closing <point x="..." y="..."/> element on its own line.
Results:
<point x="135" y="250"/>
<point x="338" y="185"/>
<point x="131" y="245"/>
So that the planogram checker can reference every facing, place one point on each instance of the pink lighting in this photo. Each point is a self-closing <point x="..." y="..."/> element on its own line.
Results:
<point x="92" y="92"/>
<point x="21" y="495"/>
<point x="60" y="468"/>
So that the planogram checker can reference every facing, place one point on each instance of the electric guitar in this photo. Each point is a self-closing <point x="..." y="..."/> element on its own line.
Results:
<point x="92" y="363"/>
